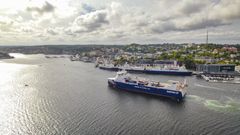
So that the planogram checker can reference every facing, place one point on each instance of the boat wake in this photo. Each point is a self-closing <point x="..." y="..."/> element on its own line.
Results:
<point x="203" y="86"/>
<point x="229" y="105"/>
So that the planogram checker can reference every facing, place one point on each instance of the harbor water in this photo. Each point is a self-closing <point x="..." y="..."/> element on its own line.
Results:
<point x="57" y="96"/>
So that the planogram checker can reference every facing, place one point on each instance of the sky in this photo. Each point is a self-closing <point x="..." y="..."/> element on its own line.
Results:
<point x="42" y="22"/>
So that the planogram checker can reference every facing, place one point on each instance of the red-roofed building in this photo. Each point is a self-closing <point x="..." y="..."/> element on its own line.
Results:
<point x="230" y="49"/>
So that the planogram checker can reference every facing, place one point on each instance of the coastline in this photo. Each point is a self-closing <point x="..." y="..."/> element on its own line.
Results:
<point x="5" y="56"/>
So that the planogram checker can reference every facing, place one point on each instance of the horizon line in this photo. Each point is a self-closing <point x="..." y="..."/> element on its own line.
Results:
<point x="116" y="44"/>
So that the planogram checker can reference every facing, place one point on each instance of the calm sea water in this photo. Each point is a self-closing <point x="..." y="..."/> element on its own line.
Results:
<point x="57" y="96"/>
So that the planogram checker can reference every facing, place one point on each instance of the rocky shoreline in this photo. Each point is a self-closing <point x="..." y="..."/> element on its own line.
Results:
<point x="5" y="56"/>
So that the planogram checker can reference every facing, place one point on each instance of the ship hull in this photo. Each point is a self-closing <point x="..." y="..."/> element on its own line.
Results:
<point x="109" y="68"/>
<point x="158" y="72"/>
<point x="164" y="72"/>
<point x="161" y="72"/>
<point x="177" y="95"/>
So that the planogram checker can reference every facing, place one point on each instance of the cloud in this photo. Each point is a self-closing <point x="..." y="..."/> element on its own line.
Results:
<point x="110" y="21"/>
<point x="186" y="16"/>
<point x="161" y="27"/>
<point x="90" y="21"/>
<point x="191" y="15"/>
<point x="52" y="31"/>
<point x="27" y="29"/>
<point x="46" y="8"/>
<point x="6" y="24"/>
<point x="225" y="10"/>
<point x="224" y="13"/>
<point x="188" y="7"/>
<point x="87" y="8"/>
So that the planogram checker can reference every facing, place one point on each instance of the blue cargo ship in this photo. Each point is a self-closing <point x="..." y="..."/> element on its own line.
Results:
<point x="172" y="89"/>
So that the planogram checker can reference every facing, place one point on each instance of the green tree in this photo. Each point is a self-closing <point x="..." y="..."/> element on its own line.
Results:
<point x="189" y="62"/>
<point x="164" y="56"/>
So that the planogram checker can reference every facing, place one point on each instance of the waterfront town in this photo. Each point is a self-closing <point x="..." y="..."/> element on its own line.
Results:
<point x="212" y="61"/>
<point x="189" y="54"/>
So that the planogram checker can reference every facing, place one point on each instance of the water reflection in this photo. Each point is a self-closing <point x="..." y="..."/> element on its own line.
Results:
<point x="9" y="98"/>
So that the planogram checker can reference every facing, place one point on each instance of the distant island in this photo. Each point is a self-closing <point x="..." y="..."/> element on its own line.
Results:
<point x="5" y="56"/>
